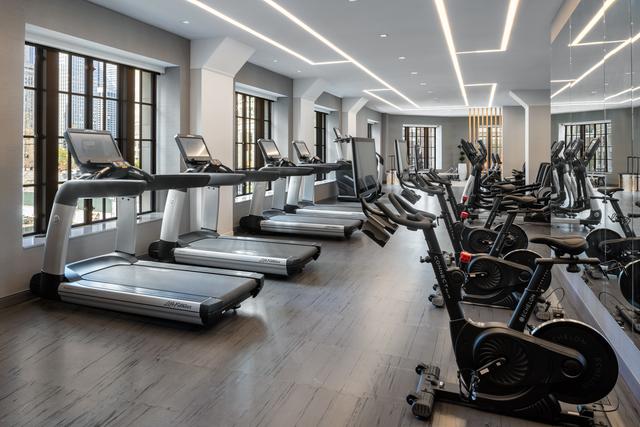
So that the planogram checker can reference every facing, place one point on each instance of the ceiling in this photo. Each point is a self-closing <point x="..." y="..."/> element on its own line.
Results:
<point x="414" y="31"/>
<point x="607" y="80"/>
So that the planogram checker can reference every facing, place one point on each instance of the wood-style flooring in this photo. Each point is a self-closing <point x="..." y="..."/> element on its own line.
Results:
<point x="333" y="346"/>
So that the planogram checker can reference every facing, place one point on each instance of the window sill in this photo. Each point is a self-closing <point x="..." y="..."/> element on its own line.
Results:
<point x="247" y="197"/>
<point x="87" y="230"/>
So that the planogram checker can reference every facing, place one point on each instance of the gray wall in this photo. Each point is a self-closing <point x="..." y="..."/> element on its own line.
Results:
<point x="87" y="21"/>
<point x="453" y="129"/>
<point x="621" y="133"/>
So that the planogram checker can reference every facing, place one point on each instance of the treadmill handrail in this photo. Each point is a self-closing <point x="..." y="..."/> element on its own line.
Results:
<point x="285" y="171"/>
<point x="178" y="181"/>
<point x="262" y="175"/>
<point x="69" y="192"/>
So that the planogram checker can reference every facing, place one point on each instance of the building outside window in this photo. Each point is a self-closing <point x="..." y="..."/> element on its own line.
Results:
<point x="321" y="141"/>
<point x="65" y="90"/>
<point x="492" y="137"/>
<point x="253" y="121"/>
<point x="602" y="161"/>
<point x="421" y="146"/>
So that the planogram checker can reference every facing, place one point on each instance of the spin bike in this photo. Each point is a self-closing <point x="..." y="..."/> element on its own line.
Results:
<point x="618" y="255"/>
<point x="501" y="368"/>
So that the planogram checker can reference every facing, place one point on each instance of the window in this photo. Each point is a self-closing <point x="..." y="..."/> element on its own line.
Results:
<point x="602" y="161"/>
<point x="421" y="146"/>
<point x="253" y="121"/>
<point x="64" y="90"/>
<point x="492" y="137"/>
<point x="369" y="130"/>
<point x="321" y="141"/>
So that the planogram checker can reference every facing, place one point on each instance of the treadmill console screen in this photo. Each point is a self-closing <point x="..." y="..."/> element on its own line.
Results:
<point x="269" y="148"/>
<point x="193" y="148"/>
<point x="89" y="147"/>
<point x="365" y="166"/>
<point x="302" y="149"/>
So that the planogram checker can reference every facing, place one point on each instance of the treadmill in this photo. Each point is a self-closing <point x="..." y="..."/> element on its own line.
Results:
<point x="205" y="246"/>
<point x="304" y="204"/>
<point x="276" y="220"/>
<point x="118" y="280"/>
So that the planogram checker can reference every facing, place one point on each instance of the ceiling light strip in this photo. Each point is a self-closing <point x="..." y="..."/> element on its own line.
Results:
<point x="493" y="93"/>
<point x="379" y="98"/>
<point x="598" y="64"/>
<point x="508" y="26"/>
<point x="599" y="14"/>
<point x="335" y="48"/>
<point x="257" y="34"/>
<point x="446" y="29"/>
<point x="622" y="92"/>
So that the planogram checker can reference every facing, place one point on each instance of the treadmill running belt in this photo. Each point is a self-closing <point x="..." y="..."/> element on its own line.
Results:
<point x="349" y="223"/>
<point x="172" y="280"/>
<point x="255" y="248"/>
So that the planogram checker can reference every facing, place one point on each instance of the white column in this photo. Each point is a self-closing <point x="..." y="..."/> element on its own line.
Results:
<point x="214" y="63"/>
<point x="537" y="128"/>
<point x="350" y="109"/>
<point x="513" y="137"/>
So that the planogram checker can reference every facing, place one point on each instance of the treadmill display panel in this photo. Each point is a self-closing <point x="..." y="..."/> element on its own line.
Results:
<point x="269" y="148"/>
<point x="301" y="148"/>
<point x="365" y="166"/>
<point x="193" y="147"/>
<point x="92" y="147"/>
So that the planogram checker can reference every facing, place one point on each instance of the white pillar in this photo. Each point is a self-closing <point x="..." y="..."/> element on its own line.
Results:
<point x="214" y="63"/>
<point x="537" y="128"/>
<point x="350" y="109"/>
<point x="513" y="137"/>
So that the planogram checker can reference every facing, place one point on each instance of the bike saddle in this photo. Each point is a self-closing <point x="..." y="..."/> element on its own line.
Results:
<point x="571" y="245"/>
<point x="608" y="191"/>
<point x="521" y="200"/>
<point x="506" y="188"/>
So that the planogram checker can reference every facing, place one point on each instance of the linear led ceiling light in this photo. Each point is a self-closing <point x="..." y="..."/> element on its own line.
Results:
<point x="491" y="94"/>
<point x="599" y="14"/>
<point x="598" y="64"/>
<point x="335" y="48"/>
<point x="446" y="29"/>
<point x="259" y="35"/>
<point x="379" y="98"/>
<point x="622" y="92"/>
<point x="506" y="34"/>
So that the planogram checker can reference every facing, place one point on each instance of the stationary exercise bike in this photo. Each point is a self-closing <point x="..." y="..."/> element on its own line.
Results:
<point x="489" y="280"/>
<point x="618" y="254"/>
<point x="501" y="368"/>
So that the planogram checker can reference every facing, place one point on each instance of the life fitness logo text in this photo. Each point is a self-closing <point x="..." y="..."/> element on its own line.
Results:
<point x="177" y="305"/>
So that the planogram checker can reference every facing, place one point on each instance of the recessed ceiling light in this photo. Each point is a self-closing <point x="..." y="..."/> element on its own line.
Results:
<point x="593" y="92"/>
<point x="299" y="71"/>
<point x="429" y="91"/>
<point x="383" y="35"/>
<point x="275" y="60"/>
<point x="402" y="58"/>
<point x="413" y="73"/>
<point x="352" y="1"/>
<point x="423" y="84"/>
<point x="186" y="22"/>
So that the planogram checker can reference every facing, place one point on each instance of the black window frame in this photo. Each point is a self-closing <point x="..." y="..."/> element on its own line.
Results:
<point x="48" y="129"/>
<point x="426" y="137"/>
<point x="588" y="131"/>
<point x="247" y="154"/>
<point x="321" y="140"/>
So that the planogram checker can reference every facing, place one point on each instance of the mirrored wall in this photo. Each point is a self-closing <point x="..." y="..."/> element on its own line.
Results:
<point x="595" y="126"/>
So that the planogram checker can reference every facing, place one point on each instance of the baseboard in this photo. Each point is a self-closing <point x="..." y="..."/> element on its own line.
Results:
<point x="595" y="314"/>
<point x="16" y="298"/>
